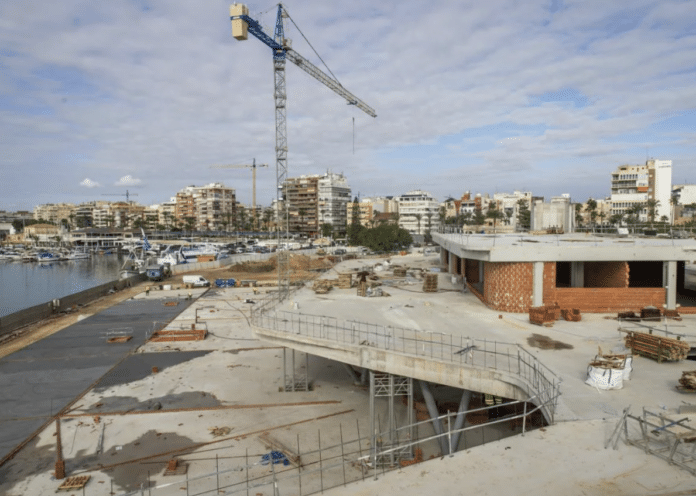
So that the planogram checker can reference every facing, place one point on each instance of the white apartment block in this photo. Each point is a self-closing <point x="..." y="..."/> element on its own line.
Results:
<point x="685" y="193"/>
<point x="418" y="212"/>
<point x="508" y="204"/>
<point x="632" y="184"/>
<point x="334" y="196"/>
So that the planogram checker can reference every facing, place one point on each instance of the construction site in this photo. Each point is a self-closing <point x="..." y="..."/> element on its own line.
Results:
<point x="373" y="375"/>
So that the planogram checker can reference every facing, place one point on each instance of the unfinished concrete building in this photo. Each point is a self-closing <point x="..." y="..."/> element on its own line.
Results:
<point x="512" y="273"/>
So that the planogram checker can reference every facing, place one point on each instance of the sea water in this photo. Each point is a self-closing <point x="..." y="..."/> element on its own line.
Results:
<point x="25" y="284"/>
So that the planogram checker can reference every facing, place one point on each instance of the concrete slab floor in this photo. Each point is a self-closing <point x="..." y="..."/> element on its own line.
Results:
<point x="234" y="382"/>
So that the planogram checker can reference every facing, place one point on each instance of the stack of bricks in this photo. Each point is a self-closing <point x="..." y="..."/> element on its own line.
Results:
<point x="345" y="280"/>
<point x="400" y="271"/>
<point x="545" y="315"/>
<point x="430" y="283"/>
<point x="571" y="314"/>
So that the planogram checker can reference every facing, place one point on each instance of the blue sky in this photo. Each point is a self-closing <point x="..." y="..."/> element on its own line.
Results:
<point x="547" y="96"/>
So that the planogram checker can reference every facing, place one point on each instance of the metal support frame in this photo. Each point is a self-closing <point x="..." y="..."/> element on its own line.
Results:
<point x="293" y="381"/>
<point x="662" y="436"/>
<point x="390" y="386"/>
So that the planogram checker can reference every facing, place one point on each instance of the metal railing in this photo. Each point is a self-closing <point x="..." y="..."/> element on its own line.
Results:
<point x="348" y="461"/>
<point x="471" y="352"/>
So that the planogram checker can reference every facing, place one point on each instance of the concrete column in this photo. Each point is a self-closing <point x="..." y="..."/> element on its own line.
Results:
<point x="461" y="418"/>
<point x="538" y="285"/>
<point x="577" y="274"/>
<point x="443" y="256"/>
<point x="452" y="263"/>
<point x="434" y="416"/>
<point x="670" y="284"/>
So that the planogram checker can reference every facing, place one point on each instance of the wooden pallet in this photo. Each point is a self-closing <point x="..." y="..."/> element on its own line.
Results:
<point x="73" y="483"/>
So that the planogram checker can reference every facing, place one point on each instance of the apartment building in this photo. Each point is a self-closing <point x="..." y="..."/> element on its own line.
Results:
<point x="636" y="184"/>
<point x="54" y="212"/>
<point x="301" y="196"/>
<point x="205" y="208"/>
<point x="334" y="196"/>
<point x="418" y="212"/>
<point x="508" y="204"/>
<point x="318" y="199"/>
<point x="365" y="212"/>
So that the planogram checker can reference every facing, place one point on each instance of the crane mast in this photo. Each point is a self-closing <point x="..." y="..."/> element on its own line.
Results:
<point x="242" y="24"/>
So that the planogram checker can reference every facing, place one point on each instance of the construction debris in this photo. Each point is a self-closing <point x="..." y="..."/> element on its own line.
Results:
<point x="322" y="286"/>
<point x="430" y="282"/>
<point x="185" y="335"/>
<point x="119" y="339"/>
<point x="74" y="483"/>
<point x="656" y="347"/>
<point x="345" y="280"/>
<point x="688" y="382"/>
<point x="176" y="468"/>
<point x="650" y="313"/>
<point x="400" y="271"/>
<point x="272" y="443"/>
<point x="608" y="371"/>
<point x="219" y="431"/>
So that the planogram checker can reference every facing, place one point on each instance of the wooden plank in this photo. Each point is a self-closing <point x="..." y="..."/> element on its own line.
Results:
<point x="75" y="482"/>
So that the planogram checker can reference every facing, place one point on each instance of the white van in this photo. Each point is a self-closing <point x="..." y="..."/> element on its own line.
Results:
<point x="196" y="281"/>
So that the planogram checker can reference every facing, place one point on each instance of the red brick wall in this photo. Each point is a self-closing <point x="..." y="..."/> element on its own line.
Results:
<point x="472" y="270"/>
<point x="508" y="286"/>
<point x="549" y="283"/>
<point x="606" y="274"/>
<point x="603" y="300"/>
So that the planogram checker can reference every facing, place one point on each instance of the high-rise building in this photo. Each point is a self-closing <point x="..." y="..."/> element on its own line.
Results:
<point x="315" y="200"/>
<point x="334" y="196"/>
<point x="418" y="212"/>
<point x="636" y="184"/>
<point x="205" y="208"/>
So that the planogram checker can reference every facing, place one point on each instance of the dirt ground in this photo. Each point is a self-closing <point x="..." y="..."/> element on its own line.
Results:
<point x="303" y="267"/>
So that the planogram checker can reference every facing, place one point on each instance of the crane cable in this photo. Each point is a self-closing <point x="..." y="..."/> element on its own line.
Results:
<point x="310" y="45"/>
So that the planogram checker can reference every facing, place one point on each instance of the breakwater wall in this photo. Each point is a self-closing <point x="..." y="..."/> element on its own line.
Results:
<point x="14" y="321"/>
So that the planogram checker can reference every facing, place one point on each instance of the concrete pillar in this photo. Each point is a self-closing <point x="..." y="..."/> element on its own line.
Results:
<point x="452" y="263"/>
<point x="538" y="285"/>
<point x="434" y="416"/>
<point x="443" y="256"/>
<point x="670" y="281"/>
<point x="577" y="274"/>
<point x="461" y="418"/>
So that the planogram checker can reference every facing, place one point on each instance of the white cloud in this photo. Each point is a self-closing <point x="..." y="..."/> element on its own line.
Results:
<point x="104" y="86"/>
<point x="128" y="180"/>
<point x="88" y="183"/>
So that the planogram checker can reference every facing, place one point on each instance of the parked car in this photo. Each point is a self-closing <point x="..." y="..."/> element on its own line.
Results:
<point x="340" y="251"/>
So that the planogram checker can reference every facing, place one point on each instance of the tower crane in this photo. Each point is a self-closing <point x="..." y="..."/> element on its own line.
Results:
<point x="281" y="48"/>
<point x="253" y="167"/>
<point x="127" y="195"/>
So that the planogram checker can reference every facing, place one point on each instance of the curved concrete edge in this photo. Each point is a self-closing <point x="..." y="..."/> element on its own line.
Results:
<point x="462" y="376"/>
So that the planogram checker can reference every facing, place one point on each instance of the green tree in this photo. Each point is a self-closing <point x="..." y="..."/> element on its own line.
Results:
<point x="652" y="205"/>
<point x="578" y="214"/>
<point x="591" y="208"/>
<point x="524" y="216"/>
<point x="326" y="229"/>
<point x="386" y="237"/>
<point x="479" y="217"/>
<point x="494" y="214"/>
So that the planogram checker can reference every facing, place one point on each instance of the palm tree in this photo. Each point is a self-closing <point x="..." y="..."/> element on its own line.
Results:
<point x="301" y="212"/>
<point x="418" y="218"/>
<point x="651" y="205"/>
